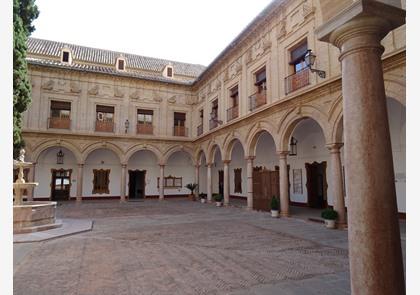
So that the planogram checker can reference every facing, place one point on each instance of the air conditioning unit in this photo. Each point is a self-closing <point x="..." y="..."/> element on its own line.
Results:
<point x="100" y="116"/>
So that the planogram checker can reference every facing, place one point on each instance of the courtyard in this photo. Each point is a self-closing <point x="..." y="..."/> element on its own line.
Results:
<point x="182" y="247"/>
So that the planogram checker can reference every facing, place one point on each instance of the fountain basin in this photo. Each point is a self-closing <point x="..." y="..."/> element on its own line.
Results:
<point x="34" y="216"/>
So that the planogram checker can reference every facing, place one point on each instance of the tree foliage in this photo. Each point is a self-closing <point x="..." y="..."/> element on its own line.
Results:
<point x="24" y="12"/>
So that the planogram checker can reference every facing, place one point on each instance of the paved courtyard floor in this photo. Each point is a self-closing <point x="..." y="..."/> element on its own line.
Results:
<point x="183" y="247"/>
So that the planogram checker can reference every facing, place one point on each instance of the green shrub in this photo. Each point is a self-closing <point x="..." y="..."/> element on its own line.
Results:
<point x="218" y="197"/>
<point x="191" y="187"/>
<point x="275" y="203"/>
<point x="329" y="214"/>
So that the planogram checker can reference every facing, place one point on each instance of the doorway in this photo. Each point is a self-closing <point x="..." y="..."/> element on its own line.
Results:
<point x="136" y="184"/>
<point x="265" y="185"/>
<point x="221" y="180"/>
<point x="60" y="184"/>
<point x="316" y="184"/>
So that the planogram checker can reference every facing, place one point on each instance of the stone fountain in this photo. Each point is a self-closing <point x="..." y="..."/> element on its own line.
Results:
<point x="30" y="216"/>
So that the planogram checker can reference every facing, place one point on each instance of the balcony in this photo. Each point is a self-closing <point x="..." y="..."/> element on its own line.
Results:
<point x="104" y="126"/>
<point x="297" y="80"/>
<point x="144" y="128"/>
<point x="59" y="122"/>
<point x="232" y="113"/>
<point x="199" y="130"/>
<point x="257" y="99"/>
<point x="213" y="123"/>
<point x="180" y="131"/>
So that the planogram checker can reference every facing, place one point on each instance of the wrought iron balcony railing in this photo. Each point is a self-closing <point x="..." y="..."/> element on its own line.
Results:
<point x="180" y="131"/>
<point x="199" y="130"/>
<point x="297" y="80"/>
<point x="144" y="128"/>
<point x="59" y="122"/>
<point x="213" y="123"/>
<point x="104" y="126"/>
<point x="257" y="99"/>
<point x="232" y="113"/>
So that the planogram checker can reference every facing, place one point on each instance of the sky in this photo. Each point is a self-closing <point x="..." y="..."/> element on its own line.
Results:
<point x="180" y="30"/>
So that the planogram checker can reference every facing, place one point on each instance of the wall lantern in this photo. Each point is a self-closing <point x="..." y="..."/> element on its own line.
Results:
<point x="127" y="125"/>
<point x="293" y="147"/>
<point x="60" y="157"/>
<point x="310" y="61"/>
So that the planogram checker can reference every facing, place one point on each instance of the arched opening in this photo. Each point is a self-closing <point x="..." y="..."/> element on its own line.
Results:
<point x="237" y="171"/>
<point x="265" y="174"/>
<point x="179" y="171"/>
<point x="308" y="170"/>
<point x="56" y="181"/>
<point x="217" y="172"/>
<point x="143" y="173"/>
<point x="102" y="174"/>
<point x="202" y="183"/>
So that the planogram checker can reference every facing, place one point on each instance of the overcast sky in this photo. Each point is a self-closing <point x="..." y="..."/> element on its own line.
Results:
<point x="193" y="31"/>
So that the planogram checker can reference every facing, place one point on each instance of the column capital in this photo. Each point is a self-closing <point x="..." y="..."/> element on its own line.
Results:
<point x="282" y="154"/>
<point x="226" y="161"/>
<point x="334" y="147"/>
<point x="250" y="158"/>
<point x="208" y="165"/>
<point x="362" y="18"/>
<point x="197" y="165"/>
<point x="80" y="165"/>
<point x="161" y="165"/>
<point x="123" y="165"/>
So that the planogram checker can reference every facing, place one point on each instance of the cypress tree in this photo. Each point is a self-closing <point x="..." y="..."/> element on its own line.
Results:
<point x="24" y="12"/>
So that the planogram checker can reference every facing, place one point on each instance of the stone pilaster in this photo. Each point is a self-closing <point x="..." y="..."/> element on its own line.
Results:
<point x="249" y="169"/>
<point x="284" y="184"/>
<point x="197" y="181"/>
<point x="161" y="182"/>
<point x="79" y="189"/>
<point x="226" y="182"/>
<point x="209" y="190"/>
<point x="337" y="183"/>
<point x="123" y="182"/>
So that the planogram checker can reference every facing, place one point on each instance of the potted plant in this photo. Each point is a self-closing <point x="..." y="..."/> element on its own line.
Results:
<point x="218" y="199"/>
<point x="330" y="216"/>
<point x="203" y="197"/>
<point x="274" y="207"/>
<point x="192" y="187"/>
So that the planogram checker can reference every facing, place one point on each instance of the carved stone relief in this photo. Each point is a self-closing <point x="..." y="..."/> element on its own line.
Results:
<point x="172" y="99"/>
<point x="48" y="85"/>
<point x="135" y="94"/>
<point x="75" y="87"/>
<point x="118" y="92"/>
<point x="281" y="29"/>
<point x="94" y="90"/>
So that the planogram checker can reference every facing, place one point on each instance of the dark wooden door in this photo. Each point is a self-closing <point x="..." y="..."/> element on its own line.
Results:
<point x="265" y="186"/>
<point x="136" y="184"/>
<point x="221" y="180"/>
<point x="60" y="186"/>
<point x="316" y="184"/>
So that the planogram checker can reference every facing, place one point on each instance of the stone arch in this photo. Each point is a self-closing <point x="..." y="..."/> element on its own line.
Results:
<point x="142" y="147"/>
<point x="253" y="135"/>
<point x="197" y="155"/>
<point x="395" y="86"/>
<point x="228" y="147"/>
<point x="104" y="145"/>
<point x="292" y="119"/>
<point x="54" y="143"/>
<point x="178" y="148"/>
<point x="212" y="152"/>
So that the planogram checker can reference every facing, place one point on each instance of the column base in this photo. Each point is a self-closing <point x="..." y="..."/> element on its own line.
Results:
<point x="284" y="214"/>
<point x="249" y="208"/>
<point x="78" y="199"/>
<point x="342" y="225"/>
<point x="123" y="200"/>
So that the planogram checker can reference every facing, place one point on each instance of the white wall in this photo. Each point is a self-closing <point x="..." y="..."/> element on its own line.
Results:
<point x="218" y="165"/>
<point x="145" y="160"/>
<point x="238" y="161"/>
<point x="396" y="118"/>
<point x="180" y="165"/>
<point x="265" y="153"/>
<point x="310" y="148"/>
<point x="102" y="159"/>
<point x="47" y="161"/>
<point x="203" y="175"/>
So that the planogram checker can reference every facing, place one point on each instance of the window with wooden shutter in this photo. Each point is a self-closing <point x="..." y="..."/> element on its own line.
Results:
<point x="179" y="119"/>
<point x="121" y="64"/>
<point x="238" y="180"/>
<point x="101" y="181"/>
<point x="144" y="116"/>
<point x="60" y="109"/>
<point x="66" y="56"/>
<point x="169" y="71"/>
<point x="297" y="56"/>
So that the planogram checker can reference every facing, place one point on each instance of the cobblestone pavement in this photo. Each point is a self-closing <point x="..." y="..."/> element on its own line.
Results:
<point x="183" y="247"/>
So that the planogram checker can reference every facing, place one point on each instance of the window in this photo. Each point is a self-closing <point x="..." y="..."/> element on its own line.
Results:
<point x="144" y="116"/>
<point x="214" y="109"/>
<point x="261" y="80"/>
<point x="297" y="57"/>
<point x="200" y="123"/>
<point x="179" y="119"/>
<point x="234" y="94"/>
<point x="201" y="117"/>
<point x="101" y="181"/>
<point x="104" y="118"/>
<point x="66" y="56"/>
<point x="59" y="114"/>
<point x="121" y="64"/>
<point x="60" y="109"/>
<point x="238" y="180"/>
<point x="169" y="71"/>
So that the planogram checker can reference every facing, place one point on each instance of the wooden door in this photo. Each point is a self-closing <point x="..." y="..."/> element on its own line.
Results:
<point x="221" y="181"/>
<point x="136" y="184"/>
<point x="316" y="184"/>
<point x="60" y="185"/>
<point x="265" y="186"/>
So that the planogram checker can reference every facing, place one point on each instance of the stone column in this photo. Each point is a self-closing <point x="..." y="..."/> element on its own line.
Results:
<point x="375" y="254"/>
<point x="79" y="189"/>
<point x="197" y="181"/>
<point x="209" y="190"/>
<point x="161" y="178"/>
<point x="123" y="182"/>
<point x="337" y="183"/>
<point x="226" y="182"/>
<point x="31" y="178"/>
<point x="249" y="182"/>
<point x="284" y="184"/>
